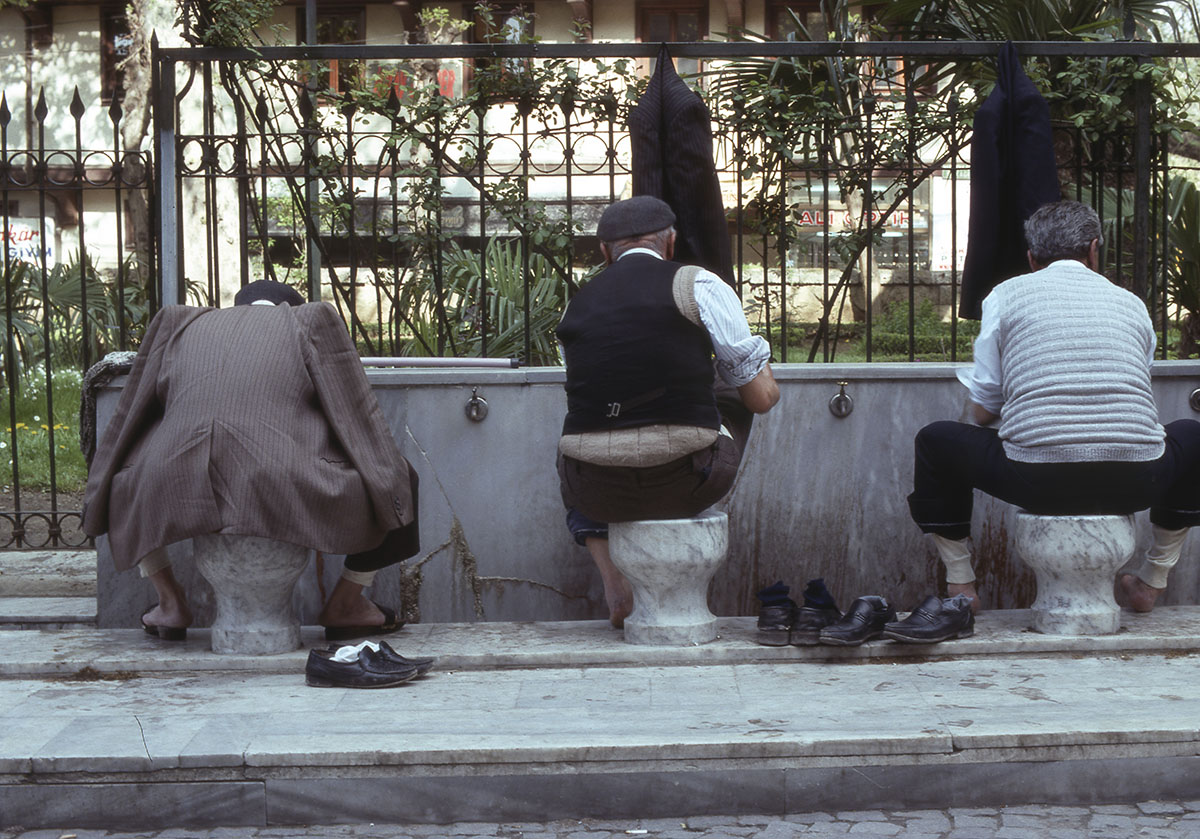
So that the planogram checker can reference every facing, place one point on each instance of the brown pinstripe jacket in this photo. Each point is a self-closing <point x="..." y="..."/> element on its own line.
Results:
<point x="255" y="420"/>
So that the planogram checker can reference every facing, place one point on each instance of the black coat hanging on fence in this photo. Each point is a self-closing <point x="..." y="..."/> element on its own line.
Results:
<point x="1013" y="172"/>
<point x="670" y="131"/>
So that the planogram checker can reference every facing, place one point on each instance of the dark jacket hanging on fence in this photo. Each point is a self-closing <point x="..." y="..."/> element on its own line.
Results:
<point x="1013" y="172"/>
<point x="670" y="132"/>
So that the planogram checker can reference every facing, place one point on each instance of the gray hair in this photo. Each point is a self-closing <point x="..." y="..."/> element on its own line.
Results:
<point x="656" y="241"/>
<point x="1062" y="230"/>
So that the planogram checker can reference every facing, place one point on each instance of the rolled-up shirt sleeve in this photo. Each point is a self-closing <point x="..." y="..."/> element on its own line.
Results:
<point x="987" y="380"/>
<point x="741" y="356"/>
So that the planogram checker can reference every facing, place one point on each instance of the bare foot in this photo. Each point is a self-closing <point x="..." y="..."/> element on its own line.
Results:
<point x="359" y="612"/>
<point x="347" y="606"/>
<point x="969" y="590"/>
<point x="1133" y="594"/>
<point x="620" y="601"/>
<point x="175" y="615"/>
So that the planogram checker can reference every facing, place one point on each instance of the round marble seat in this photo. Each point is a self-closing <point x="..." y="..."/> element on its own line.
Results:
<point x="252" y="580"/>
<point x="669" y="563"/>
<point x="1075" y="559"/>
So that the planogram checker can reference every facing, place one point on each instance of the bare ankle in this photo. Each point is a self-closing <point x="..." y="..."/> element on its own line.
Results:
<point x="1137" y="595"/>
<point x="967" y="589"/>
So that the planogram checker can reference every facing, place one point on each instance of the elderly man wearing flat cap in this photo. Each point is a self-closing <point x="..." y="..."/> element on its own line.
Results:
<point x="650" y="432"/>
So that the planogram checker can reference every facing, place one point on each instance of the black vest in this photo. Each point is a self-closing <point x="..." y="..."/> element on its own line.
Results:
<point x="632" y="358"/>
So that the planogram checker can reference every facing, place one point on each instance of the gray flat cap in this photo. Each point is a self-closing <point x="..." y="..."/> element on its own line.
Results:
<point x="268" y="290"/>
<point x="634" y="217"/>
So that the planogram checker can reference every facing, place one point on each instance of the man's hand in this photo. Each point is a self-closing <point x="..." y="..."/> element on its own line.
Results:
<point x="982" y="415"/>
<point x="760" y="393"/>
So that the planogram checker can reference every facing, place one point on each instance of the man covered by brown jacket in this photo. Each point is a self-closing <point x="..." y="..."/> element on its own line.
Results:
<point x="255" y="420"/>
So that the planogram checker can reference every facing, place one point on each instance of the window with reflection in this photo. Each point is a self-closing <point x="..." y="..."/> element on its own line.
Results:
<point x="788" y="21"/>
<point x="116" y="41"/>
<point x="665" y="21"/>
<point x="501" y="23"/>
<point x="338" y="25"/>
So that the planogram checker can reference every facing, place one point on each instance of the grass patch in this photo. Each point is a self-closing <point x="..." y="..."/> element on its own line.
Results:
<point x="39" y="439"/>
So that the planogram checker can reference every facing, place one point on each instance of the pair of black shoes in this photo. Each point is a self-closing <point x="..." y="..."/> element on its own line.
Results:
<point x="935" y="620"/>
<point x="374" y="665"/>
<point x="782" y="622"/>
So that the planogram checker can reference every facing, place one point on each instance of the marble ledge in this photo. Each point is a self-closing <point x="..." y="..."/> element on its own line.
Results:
<point x="38" y="653"/>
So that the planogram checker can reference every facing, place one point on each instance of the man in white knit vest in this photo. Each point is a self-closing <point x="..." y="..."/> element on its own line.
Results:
<point x="1067" y="420"/>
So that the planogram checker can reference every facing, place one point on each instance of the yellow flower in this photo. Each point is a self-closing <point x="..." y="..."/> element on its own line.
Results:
<point x="46" y="427"/>
<point x="21" y="425"/>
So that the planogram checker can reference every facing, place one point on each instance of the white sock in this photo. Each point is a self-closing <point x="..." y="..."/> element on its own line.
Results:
<point x="153" y="562"/>
<point x="363" y="578"/>
<point x="956" y="556"/>
<point x="1162" y="556"/>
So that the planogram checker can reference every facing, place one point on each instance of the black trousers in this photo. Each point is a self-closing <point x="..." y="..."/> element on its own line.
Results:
<point x="954" y="458"/>
<point x="397" y="545"/>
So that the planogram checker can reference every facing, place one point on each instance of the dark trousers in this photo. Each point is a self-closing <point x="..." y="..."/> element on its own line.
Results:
<point x="953" y="459"/>
<point x="397" y="545"/>
<point x="596" y="495"/>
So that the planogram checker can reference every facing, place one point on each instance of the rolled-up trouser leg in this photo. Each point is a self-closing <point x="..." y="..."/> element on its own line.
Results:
<point x="948" y="458"/>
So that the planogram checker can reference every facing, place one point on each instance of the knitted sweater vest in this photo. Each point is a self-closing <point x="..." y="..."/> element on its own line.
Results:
<point x="1073" y="356"/>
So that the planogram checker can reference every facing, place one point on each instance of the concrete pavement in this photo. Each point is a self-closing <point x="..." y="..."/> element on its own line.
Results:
<point x="1151" y="819"/>
<point x="534" y="722"/>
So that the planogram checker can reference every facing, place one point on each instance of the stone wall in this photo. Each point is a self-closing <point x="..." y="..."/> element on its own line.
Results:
<point x="817" y="496"/>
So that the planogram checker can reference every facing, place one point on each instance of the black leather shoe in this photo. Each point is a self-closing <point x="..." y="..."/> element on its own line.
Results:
<point x="423" y="665"/>
<point x="863" y="621"/>
<point x="774" y="623"/>
<point x="370" y="670"/>
<point x="934" y="620"/>
<point x="807" y="623"/>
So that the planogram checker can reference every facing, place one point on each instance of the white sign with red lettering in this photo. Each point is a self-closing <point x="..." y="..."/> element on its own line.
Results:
<point x="23" y="241"/>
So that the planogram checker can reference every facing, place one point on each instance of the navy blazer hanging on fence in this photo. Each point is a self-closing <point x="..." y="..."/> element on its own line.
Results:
<point x="670" y="132"/>
<point x="1013" y="172"/>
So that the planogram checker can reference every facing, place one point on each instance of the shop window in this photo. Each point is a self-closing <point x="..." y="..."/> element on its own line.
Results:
<point x="116" y="41"/>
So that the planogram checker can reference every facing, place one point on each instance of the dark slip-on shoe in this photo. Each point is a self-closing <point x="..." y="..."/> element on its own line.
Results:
<point x="864" y="620"/>
<point x="350" y="633"/>
<point x="933" y="621"/>
<point x="423" y="665"/>
<point x="368" y="670"/>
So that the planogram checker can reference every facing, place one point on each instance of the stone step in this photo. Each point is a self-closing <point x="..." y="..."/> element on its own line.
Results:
<point x="48" y="573"/>
<point x="47" y="612"/>
<point x="1173" y="630"/>
<point x="531" y="722"/>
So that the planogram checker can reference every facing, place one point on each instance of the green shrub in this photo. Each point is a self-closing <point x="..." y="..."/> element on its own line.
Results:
<point x="30" y="433"/>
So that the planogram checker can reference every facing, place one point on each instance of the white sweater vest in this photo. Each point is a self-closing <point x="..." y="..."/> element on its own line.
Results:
<point x="1074" y="352"/>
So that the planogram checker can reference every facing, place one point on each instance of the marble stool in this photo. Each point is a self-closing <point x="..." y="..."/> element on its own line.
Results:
<point x="1075" y="559"/>
<point x="252" y="580"/>
<point x="669" y="563"/>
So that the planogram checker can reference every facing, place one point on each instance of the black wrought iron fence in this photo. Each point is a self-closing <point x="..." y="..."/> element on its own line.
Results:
<point x="444" y="198"/>
<point x="76" y="286"/>
<point x="446" y="201"/>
